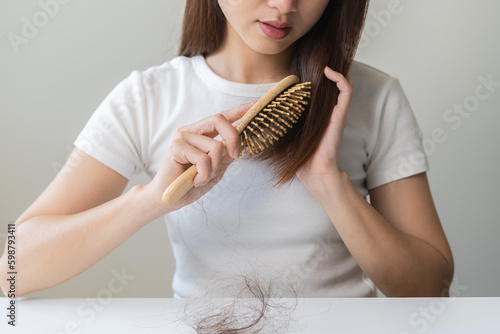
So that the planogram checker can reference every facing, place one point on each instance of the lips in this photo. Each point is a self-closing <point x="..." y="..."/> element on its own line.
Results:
<point x="275" y="30"/>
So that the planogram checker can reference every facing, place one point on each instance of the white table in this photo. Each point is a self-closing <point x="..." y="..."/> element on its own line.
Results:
<point x="340" y="315"/>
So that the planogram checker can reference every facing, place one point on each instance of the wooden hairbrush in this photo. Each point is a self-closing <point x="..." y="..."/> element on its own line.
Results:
<point x="262" y="125"/>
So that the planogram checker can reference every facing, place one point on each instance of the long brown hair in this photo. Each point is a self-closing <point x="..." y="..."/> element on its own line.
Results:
<point x="331" y="42"/>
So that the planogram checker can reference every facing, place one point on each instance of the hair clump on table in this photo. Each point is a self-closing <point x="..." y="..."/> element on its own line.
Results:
<point x="256" y="308"/>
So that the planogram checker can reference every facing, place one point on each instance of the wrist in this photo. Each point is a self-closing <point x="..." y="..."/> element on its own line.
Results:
<point x="147" y="205"/>
<point x="330" y="185"/>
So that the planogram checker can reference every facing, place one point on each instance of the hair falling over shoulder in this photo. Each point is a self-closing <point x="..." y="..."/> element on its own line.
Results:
<point x="331" y="42"/>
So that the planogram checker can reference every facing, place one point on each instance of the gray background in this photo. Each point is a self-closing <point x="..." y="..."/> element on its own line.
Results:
<point x="438" y="50"/>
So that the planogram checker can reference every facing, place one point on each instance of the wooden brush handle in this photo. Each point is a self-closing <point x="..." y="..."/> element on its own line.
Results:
<point x="184" y="182"/>
<point x="180" y="186"/>
<point x="265" y="100"/>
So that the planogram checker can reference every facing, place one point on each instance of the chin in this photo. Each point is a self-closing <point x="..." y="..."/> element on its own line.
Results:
<point x="270" y="49"/>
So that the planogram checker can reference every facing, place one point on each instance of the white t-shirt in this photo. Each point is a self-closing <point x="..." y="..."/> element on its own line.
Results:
<point x="243" y="225"/>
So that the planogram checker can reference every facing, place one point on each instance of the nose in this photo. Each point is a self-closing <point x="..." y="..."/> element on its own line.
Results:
<point x="284" y="6"/>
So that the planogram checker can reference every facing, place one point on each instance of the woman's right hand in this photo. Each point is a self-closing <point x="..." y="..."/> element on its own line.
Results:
<point x="194" y="144"/>
<point x="81" y="216"/>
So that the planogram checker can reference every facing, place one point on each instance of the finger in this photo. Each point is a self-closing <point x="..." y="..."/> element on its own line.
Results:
<point x="234" y="114"/>
<point x="342" y="82"/>
<point x="214" y="150"/>
<point x="344" y="87"/>
<point x="351" y="82"/>
<point x="338" y="117"/>
<point x="183" y="153"/>
<point x="204" y="152"/>
<point x="206" y="125"/>
<point x="217" y="125"/>
<point x="226" y="161"/>
<point x="221" y="126"/>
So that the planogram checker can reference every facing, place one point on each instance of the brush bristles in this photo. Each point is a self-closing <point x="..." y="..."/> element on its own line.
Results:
<point x="273" y="122"/>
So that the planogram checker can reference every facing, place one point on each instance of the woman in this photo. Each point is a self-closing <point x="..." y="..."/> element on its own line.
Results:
<point x="316" y="231"/>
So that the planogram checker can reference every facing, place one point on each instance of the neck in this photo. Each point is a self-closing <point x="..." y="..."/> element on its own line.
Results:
<point x="236" y="61"/>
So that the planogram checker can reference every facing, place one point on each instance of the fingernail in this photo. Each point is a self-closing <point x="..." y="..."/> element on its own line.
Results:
<point x="236" y="153"/>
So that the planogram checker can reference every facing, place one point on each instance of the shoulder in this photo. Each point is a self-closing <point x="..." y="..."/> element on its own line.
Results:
<point x="172" y="70"/>
<point x="362" y="70"/>
<point x="160" y="79"/>
<point x="377" y="99"/>
<point x="370" y="81"/>
<point x="375" y="91"/>
<point x="176" y="64"/>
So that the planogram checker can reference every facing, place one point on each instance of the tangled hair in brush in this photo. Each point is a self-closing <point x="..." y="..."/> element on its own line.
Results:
<point x="251" y="310"/>
<point x="331" y="42"/>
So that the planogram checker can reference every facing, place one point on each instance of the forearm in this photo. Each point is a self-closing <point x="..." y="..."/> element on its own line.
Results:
<point x="398" y="263"/>
<point x="53" y="249"/>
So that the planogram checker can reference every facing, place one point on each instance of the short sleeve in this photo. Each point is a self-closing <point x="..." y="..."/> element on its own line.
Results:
<point x="396" y="150"/>
<point x="116" y="134"/>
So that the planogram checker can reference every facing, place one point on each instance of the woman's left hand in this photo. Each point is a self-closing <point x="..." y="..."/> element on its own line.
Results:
<point x="324" y="163"/>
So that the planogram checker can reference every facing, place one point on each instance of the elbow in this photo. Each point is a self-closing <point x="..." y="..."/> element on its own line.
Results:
<point x="418" y="291"/>
<point x="436" y="280"/>
<point x="8" y="282"/>
<point x="440" y="279"/>
<point x="433" y="283"/>
<point x="448" y="279"/>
